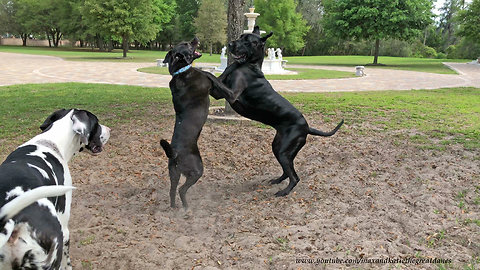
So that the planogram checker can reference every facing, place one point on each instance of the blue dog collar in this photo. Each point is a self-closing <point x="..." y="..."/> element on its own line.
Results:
<point x="183" y="69"/>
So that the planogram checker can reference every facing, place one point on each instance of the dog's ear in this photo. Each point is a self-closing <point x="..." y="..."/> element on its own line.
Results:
<point x="194" y="42"/>
<point x="256" y="30"/>
<point x="168" y="58"/>
<point x="81" y="125"/>
<point x="52" y="118"/>
<point x="264" y="38"/>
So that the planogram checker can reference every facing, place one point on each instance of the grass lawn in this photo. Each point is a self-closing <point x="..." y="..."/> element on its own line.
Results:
<point x="85" y="54"/>
<point x="303" y="74"/>
<point x="435" y="117"/>
<point x="403" y="63"/>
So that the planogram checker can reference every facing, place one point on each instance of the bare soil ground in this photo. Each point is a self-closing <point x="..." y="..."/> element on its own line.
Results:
<point x="364" y="193"/>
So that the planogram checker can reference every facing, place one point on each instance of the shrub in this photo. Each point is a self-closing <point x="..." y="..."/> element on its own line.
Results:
<point x="394" y="47"/>
<point x="441" y="55"/>
<point x="467" y="49"/>
<point x="422" y="51"/>
<point x="451" y="52"/>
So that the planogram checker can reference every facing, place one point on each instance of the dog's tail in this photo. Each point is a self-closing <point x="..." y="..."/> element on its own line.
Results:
<point x="317" y="132"/>
<point x="168" y="149"/>
<point x="16" y="205"/>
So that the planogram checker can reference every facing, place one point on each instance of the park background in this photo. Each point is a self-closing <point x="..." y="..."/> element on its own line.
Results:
<point x="401" y="179"/>
<point x="415" y="28"/>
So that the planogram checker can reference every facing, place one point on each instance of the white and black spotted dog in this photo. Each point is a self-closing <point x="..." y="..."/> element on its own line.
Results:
<point x="35" y="191"/>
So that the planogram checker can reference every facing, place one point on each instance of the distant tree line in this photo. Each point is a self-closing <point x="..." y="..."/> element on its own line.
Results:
<point x="301" y="27"/>
<point x="406" y="28"/>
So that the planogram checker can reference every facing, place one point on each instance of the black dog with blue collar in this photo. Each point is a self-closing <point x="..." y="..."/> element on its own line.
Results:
<point x="190" y="88"/>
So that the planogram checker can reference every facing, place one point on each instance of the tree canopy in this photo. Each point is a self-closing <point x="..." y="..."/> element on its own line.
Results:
<point x="211" y="23"/>
<point x="126" y="20"/>
<point x="377" y="19"/>
<point x="288" y="25"/>
<point x="470" y="22"/>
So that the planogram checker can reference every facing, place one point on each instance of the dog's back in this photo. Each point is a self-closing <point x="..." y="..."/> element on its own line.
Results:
<point x="31" y="235"/>
<point x="190" y="96"/>
<point x="260" y="102"/>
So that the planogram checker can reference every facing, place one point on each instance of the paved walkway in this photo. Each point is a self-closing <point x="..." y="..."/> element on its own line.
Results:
<point x="23" y="68"/>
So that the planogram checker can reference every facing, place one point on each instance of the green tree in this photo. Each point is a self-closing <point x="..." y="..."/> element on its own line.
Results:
<point x="469" y="20"/>
<point x="49" y="13"/>
<point x="377" y="19"/>
<point x="312" y="12"/>
<point x="9" y="22"/>
<point x="211" y="23"/>
<point x="71" y="23"/>
<point x="126" y="20"/>
<point x="170" y="33"/>
<point x="447" y="24"/>
<point x="288" y="25"/>
<point x="38" y="17"/>
<point x="187" y="11"/>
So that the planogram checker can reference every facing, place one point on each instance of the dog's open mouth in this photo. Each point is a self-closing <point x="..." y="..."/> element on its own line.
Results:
<point x="239" y="57"/>
<point x="197" y="54"/>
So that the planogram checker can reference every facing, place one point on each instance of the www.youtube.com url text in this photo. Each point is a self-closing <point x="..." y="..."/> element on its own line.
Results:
<point x="415" y="261"/>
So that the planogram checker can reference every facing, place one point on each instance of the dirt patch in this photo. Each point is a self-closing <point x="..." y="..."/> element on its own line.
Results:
<point x="362" y="195"/>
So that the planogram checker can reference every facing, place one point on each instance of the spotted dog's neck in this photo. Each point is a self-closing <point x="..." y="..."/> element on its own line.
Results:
<point x="50" y="145"/>
<point x="60" y="137"/>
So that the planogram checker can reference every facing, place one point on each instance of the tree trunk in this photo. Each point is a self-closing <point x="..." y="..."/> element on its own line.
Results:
<point x="48" y="37"/>
<point x="24" y="39"/>
<point x="235" y="21"/>
<point x="377" y="47"/>
<point x="235" y="26"/>
<point x="54" y="40"/>
<point x="100" y="43"/>
<point x="110" y="45"/>
<point x="125" y="45"/>
<point x="59" y="36"/>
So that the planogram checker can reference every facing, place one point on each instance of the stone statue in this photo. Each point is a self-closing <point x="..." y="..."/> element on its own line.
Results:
<point x="224" y="51"/>
<point x="270" y="54"/>
<point x="279" y="54"/>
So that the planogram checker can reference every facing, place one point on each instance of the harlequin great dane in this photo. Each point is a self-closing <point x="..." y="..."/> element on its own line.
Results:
<point x="256" y="99"/>
<point x="35" y="191"/>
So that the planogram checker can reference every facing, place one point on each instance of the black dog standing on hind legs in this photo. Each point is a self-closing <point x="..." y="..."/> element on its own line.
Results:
<point x="256" y="99"/>
<point x="190" y="88"/>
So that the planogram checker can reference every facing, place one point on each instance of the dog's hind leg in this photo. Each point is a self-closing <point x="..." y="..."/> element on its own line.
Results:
<point x="276" y="151"/>
<point x="290" y="146"/>
<point x="194" y="173"/>
<point x="174" y="179"/>
<point x="191" y="180"/>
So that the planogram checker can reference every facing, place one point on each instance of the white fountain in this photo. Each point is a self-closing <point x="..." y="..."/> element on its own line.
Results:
<point x="273" y="64"/>
<point x="251" y="17"/>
